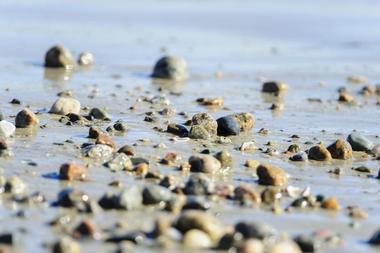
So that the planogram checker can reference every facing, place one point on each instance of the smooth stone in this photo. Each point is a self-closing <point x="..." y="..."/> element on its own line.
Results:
<point x="97" y="113"/>
<point x="178" y="130"/>
<point x="330" y="204"/>
<point x="255" y="230"/>
<point x="120" y="161"/>
<point x="194" y="219"/>
<point x="155" y="194"/>
<point x="375" y="238"/>
<point x="252" y="246"/>
<point x="59" y="57"/>
<point x="359" y="142"/>
<point x="287" y="246"/>
<point x="204" y="163"/>
<point x="126" y="149"/>
<point x="299" y="157"/>
<point x="198" y="184"/>
<point x="65" y="105"/>
<point x="66" y="245"/>
<point x="86" y="59"/>
<point x="120" y="126"/>
<point x="70" y="171"/>
<point x="94" y="132"/>
<point x="225" y="159"/>
<point x="269" y="175"/>
<point x="340" y="149"/>
<point x="170" y="68"/>
<point x="26" y="118"/>
<point x="130" y="198"/>
<point x="376" y="150"/>
<point x="307" y="243"/>
<point x="274" y="87"/>
<point x="197" y="239"/>
<point x="7" y="129"/>
<point x="80" y="201"/>
<point x="319" y="153"/>
<point x="228" y="126"/>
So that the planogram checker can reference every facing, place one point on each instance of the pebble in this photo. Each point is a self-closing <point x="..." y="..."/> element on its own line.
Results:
<point x="269" y="175"/>
<point x="225" y="159"/>
<point x="26" y="118"/>
<point x="120" y="126"/>
<point x="274" y="87"/>
<point x="246" y="195"/>
<point x="66" y="245"/>
<point x="356" y="212"/>
<point x="94" y="132"/>
<point x="155" y="194"/>
<point x="7" y="129"/>
<point x="170" y="68"/>
<point x="252" y="164"/>
<point x="15" y="185"/>
<point x="307" y="243"/>
<point x="126" y="149"/>
<point x="345" y="97"/>
<point x="194" y="219"/>
<point x="252" y="246"/>
<point x="359" y="142"/>
<point x="80" y="201"/>
<point x="227" y="126"/>
<point x="197" y="239"/>
<point x="299" y="157"/>
<point x="97" y="152"/>
<point x="97" y="113"/>
<point x="86" y="59"/>
<point x="130" y="198"/>
<point x="330" y="204"/>
<point x="198" y="184"/>
<point x="120" y="161"/>
<point x="71" y="171"/>
<point x="84" y="229"/>
<point x="340" y="149"/>
<point x="204" y="163"/>
<point x="65" y="105"/>
<point x="319" y="153"/>
<point x="255" y="230"/>
<point x="286" y="246"/>
<point x="375" y="238"/>
<point x="203" y="126"/>
<point x="376" y="150"/>
<point x="211" y="101"/>
<point x="246" y="121"/>
<point x="104" y="139"/>
<point x="178" y="130"/>
<point x="59" y="57"/>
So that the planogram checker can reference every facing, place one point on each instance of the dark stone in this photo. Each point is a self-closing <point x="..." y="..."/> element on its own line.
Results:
<point x="178" y="130"/>
<point x="254" y="230"/>
<point x="155" y="194"/>
<point x="227" y="126"/>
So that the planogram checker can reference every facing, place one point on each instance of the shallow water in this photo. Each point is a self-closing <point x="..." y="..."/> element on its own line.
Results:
<point x="300" y="42"/>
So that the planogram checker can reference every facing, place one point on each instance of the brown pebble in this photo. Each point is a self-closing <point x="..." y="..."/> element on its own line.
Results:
<point x="245" y="193"/>
<point x="357" y="213"/>
<point x="330" y="204"/>
<point x="340" y="149"/>
<point x="85" y="229"/>
<point x="252" y="164"/>
<point x="345" y="97"/>
<point x="319" y="153"/>
<point x="269" y="175"/>
<point x="105" y="140"/>
<point x="69" y="171"/>
<point x="126" y="149"/>
<point x="169" y="159"/>
<point x="211" y="101"/>
<point x="141" y="169"/>
<point x="26" y="118"/>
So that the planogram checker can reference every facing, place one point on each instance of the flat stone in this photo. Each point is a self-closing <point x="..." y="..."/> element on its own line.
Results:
<point x="65" y="105"/>
<point x="359" y="142"/>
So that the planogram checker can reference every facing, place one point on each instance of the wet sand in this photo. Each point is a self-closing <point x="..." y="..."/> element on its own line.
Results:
<point x="300" y="43"/>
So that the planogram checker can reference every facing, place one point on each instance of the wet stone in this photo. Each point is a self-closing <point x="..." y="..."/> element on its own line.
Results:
<point x="228" y="126"/>
<point x="319" y="153"/>
<point x="307" y="243"/>
<point x="203" y="126"/>
<point x="170" y="68"/>
<point x="97" y="113"/>
<point x="119" y="126"/>
<point x="26" y="118"/>
<point x="65" y="105"/>
<point x="252" y="164"/>
<point x="252" y="246"/>
<point x="287" y="246"/>
<point x="178" y="130"/>
<point x="70" y="171"/>
<point x="59" y="57"/>
<point x="7" y="129"/>
<point x="197" y="239"/>
<point x="200" y="220"/>
<point x="245" y="120"/>
<point x="15" y="185"/>
<point x="126" y="149"/>
<point x="104" y="139"/>
<point x="198" y="184"/>
<point x="155" y="194"/>
<point x="225" y="159"/>
<point x="97" y="152"/>
<point x="80" y="201"/>
<point x="66" y="245"/>
<point x="359" y="142"/>
<point x="94" y="132"/>
<point x="299" y="157"/>
<point x="120" y="161"/>
<point x="255" y="230"/>
<point x="340" y="150"/>
<point x="86" y="59"/>
<point x="294" y="148"/>
<point x="199" y="132"/>
<point x="330" y="204"/>
<point x="86" y="228"/>
<point x="269" y="175"/>
<point x="274" y="87"/>
<point x="204" y="163"/>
